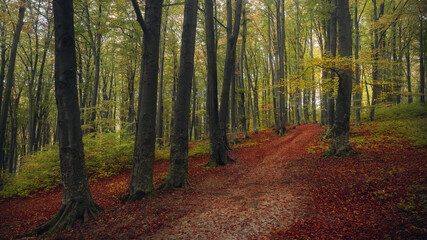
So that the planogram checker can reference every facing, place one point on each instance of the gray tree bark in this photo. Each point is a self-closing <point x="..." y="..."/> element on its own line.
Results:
<point x="340" y="144"/>
<point x="77" y="202"/>
<point x="178" y="164"/>
<point x="143" y="160"/>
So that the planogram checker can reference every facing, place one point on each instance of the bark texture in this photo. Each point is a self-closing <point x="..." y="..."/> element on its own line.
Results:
<point x="178" y="164"/>
<point x="340" y="144"/>
<point x="142" y="171"/>
<point x="77" y="202"/>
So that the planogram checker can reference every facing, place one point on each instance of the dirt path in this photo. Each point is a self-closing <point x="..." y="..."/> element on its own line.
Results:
<point x="250" y="198"/>
<point x="244" y="200"/>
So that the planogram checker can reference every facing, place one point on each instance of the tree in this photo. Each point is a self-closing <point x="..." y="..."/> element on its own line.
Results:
<point x="217" y="151"/>
<point x="9" y="83"/>
<point x="229" y="65"/>
<point x="178" y="164"/>
<point x="422" y="72"/>
<point x="340" y="144"/>
<point x="77" y="202"/>
<point x="141" y="183"/>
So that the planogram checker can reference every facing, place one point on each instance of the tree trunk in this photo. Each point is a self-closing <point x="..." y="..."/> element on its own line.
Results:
<point x="233" y="108"/>
<point x="340" y="144"/>
<point x="9" y="82"/>
<point x="229" y="65"/>
<point x="422" y="73"/>
<point x="159" y="117"/>
<point x="77" y="202"/>
<point x="95" y="43"/>
<point x="241" y="90"/>
<point x="376" y="87"/>
<point x="193" y="111"/>
<point x="178" y="164"/>
<point x="142" y="172"/>
<point x="332" y="51"/>
<point x="357" y="99"/>
<point x="408" y="73"/>
<point x="313" y="92"/>
<point x="217" y="152"/>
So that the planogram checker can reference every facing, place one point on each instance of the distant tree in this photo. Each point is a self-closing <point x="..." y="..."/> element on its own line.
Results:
<point x="422" y="71"/>
<point x="141" y="183"/>
<point x="77" y="202"/>
<point x="9" y="83"/>
<point x="340" y="144"/>
<point x="178" y="164"/>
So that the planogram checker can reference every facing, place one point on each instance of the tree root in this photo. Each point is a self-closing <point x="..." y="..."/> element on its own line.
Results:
<point x="69" y="213"/>
<point x="169" y="184"/>
<point x="137" y="196"/>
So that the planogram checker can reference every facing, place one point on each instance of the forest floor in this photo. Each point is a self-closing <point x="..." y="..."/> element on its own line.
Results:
<point x="279" y="188"/>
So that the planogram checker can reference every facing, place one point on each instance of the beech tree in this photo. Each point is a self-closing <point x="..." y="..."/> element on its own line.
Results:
<point x="229" y="65"/>
<point x="77" y="202"/>
<point x="141" y="183"/>
<point x="178" y="164"/>
<point x="340" y="144"/>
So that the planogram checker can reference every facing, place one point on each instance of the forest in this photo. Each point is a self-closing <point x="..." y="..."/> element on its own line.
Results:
<point x="213" y="119"/>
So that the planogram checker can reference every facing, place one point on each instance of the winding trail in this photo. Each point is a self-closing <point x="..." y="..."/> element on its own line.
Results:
<point x="251" y="197"/>
<point x="244" y="200"/>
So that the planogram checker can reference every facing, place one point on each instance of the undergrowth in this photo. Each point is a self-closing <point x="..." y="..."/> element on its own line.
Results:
<point x="395" y="125"/>
<point x="105" y="155"/>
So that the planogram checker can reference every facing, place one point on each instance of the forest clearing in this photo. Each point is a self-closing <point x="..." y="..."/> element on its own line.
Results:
<point x="213" y="119"/>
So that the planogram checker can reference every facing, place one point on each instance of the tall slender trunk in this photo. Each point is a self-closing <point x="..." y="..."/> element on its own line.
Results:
<point x="217" y="152"/>
<point x="313" y="91"/>
<point x="332" y="51"/>
<point x="96" y="49"/>
<point x="159" y="117"/>
<point x="357" y="98"/>
<point x="178" y="164"/>
<point x="9" y="82"/>
<point x="422" y="73"/>
<point x="408" y="73"/>
<point x="229" y="65"/>
<point x="141" y="183"/>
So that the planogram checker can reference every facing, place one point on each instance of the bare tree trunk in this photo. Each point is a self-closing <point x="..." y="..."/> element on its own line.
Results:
<point x="178" y="164"/>
<point x="77" y="202"/>
<point x="340" y="144"/>
<point x="422" y="73"/>
<point x="229" y="65"/>
<point x="159" y="118"/>
<point x="217" y="152"/>
<point x="357" y="99"/>
<point x="408" y="73"/>
<point x="144" y="152"/>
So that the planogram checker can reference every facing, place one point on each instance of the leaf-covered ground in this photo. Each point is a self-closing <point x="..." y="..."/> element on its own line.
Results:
<point x="280" y="188"/>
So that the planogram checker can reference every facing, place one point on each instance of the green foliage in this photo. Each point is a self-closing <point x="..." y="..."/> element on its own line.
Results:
<point x="38" y="171"/>
<point x="199" y="148"/>
<point x="105" y="155"/>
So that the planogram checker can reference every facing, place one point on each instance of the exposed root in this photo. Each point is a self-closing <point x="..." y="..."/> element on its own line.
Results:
<point x="137" y="196"/>
<point x="68" y="214"/>
<point x="169" y="184"/>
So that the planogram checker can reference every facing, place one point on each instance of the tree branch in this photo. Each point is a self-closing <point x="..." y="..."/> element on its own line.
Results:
<point x="222" y="25"/>
<point x="139" y="17"/>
